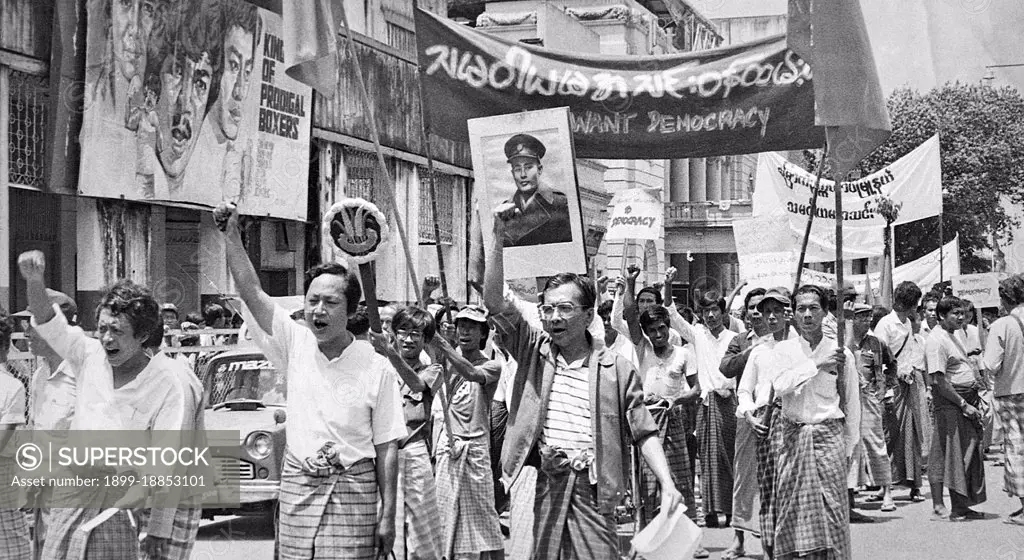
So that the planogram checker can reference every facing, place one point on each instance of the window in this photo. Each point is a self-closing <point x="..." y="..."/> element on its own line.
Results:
<point x="401" y="38"/>
<point x="360" y="169"/>
<point x="29" y="98"/>
<point x="445" y="187"/>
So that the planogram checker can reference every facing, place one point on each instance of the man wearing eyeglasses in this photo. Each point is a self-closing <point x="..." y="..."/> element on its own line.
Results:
<point x="571" y="407"/>
<point x="540" y="214"/>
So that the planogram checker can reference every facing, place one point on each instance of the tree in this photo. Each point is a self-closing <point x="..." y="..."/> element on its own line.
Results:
<point x="981" y="137"/>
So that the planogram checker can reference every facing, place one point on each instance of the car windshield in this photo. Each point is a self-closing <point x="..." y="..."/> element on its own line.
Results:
<point x="246" y="378"/>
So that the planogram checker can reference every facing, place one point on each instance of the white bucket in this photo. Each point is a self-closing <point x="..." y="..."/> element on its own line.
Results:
<point x="668" y="538"/>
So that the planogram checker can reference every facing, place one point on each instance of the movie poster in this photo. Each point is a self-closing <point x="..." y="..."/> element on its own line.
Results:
<point x="524" y="163"/>
<point x="187" y="101"/>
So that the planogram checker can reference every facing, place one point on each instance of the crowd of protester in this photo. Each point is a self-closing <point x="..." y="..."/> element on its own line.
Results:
<point x="417" y="437"/>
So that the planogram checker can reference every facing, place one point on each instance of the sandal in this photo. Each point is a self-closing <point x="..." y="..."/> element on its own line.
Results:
<point x="1012" y="519"/>
<point x="888" y="507"/>
<point x="733" y="554"/>
<point x="701" y="552"/>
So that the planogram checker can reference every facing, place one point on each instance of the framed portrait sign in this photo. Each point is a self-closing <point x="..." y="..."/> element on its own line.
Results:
<point x="525" y="163"/>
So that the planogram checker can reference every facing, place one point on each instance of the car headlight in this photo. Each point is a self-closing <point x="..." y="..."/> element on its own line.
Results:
<point x="259" y="445"/>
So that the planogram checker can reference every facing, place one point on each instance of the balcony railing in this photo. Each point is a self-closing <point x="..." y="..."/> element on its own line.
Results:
<point x="721" y="213"/>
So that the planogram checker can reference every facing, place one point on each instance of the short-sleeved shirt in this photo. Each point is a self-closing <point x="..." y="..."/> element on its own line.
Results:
<point x="899" y="337"/>
<point x="352" y="400"/>
<point x="946" y="356"/>
<point x="663" y="376"/>
<point x="52" y="398"/>
<point x="469" y="408"/>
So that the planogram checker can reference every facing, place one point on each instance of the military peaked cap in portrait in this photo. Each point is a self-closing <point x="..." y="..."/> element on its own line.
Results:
<point x="524" y="145"/>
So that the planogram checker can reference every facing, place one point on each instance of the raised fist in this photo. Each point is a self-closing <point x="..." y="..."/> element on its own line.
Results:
<point x="632" y="272"/>
<point x="670" y="274"/>
<point x="226" y="215"/>
<point x="32" y="265"/>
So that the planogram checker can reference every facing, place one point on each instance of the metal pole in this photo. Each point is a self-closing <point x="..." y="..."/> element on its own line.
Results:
<point x="810" y="219"/>
<point x="390" y="186"/>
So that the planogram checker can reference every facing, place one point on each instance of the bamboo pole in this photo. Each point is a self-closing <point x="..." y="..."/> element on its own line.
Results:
<point x="810" y="219"/>
<point x="389" y="188"/>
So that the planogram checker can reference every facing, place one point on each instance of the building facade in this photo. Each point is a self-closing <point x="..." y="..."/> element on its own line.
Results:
<point x="175" y="248"/>
<point x="704" y="195"/>
<point x="617" y="27"/>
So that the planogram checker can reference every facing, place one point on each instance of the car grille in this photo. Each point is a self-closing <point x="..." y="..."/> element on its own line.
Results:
<point x="229" y="468"/>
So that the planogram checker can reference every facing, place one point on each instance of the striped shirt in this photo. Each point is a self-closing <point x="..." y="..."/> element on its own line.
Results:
<point x="567" y="423"/>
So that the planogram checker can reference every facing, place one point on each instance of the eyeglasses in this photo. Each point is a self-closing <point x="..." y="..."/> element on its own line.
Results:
<point x="566" y="310"/>
<point x="411" y="335"/>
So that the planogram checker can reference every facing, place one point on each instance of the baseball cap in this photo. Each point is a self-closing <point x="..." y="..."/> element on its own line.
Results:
<point x="67" y="305"/>
<point x="778" y="294"/>
<point x="473" y="313"/>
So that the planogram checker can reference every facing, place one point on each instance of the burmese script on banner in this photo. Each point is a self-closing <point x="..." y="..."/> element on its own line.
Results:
<point x="914" y="182"/>
<point x="747" y="98"/>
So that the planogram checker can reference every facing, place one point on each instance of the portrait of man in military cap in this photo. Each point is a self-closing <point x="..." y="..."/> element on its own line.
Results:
<point x="541" y="213"/>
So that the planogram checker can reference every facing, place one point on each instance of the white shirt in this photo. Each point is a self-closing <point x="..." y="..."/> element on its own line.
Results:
<point x="352" y="400"/>
<point x="626" y="349"/>
<point x="755" y="387"/>
<point x="12" y="404"/>
<point x="663" y="376"/>
<point x="709" y="350"/>
<point x="154" y="400"/>
<point x="893" y="333"/>
<point x="810" y="395"/>
<point x="52" y="399"/>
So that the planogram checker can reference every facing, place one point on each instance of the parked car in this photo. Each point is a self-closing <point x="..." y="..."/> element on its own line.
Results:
<point x="245" y="392"/>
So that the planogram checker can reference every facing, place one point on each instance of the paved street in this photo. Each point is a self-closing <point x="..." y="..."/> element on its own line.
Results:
<point x="907" y="533"/>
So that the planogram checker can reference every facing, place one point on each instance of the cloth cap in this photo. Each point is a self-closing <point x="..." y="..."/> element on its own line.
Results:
<point x="169" y="307"/>
<point x="780" y="295"/>
<point x="524" y="145"/>
<point x="473" y="313"/>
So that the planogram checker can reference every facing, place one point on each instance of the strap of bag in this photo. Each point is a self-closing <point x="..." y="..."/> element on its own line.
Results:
<point x="904" y="345"/>
<point x="1019" y="323"/>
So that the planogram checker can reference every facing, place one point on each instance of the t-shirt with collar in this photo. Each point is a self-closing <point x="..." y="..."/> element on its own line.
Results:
<point x="352" y="400"/>
<point x="946" y="354"/>
<point x="664" y="376"/>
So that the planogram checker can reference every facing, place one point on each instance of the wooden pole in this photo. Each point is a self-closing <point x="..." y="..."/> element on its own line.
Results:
<point x="840" y="312"/>
<point x="370" y="293"/>
<point x="810" y="219"/>
<point x="389" y="188"/>
<point x="942" y="247"/>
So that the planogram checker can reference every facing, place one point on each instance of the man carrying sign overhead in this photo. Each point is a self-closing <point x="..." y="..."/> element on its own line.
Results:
<point x="541" y="214"/>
